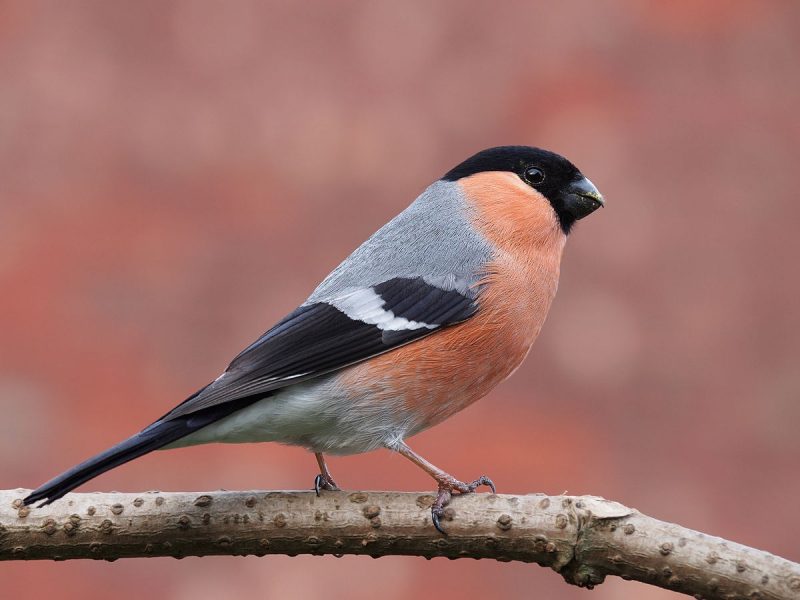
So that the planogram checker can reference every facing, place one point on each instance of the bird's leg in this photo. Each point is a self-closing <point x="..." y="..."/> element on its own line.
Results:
<point x="323" y="481"/>
<point x="447" y="484"/>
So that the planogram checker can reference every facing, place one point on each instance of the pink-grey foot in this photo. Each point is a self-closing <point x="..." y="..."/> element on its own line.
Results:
<point x="323" y="481"/>
<point x="447" y="485"/>
<point x="446" y="489"/>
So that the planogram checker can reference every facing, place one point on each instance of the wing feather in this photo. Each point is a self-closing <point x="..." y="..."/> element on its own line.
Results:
<point x="329" y="335"/>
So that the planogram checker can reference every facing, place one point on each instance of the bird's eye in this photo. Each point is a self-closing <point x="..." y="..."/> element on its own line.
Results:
<point x="534" y="175"/>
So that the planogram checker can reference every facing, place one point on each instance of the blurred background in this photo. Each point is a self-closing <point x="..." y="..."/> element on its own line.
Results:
<point x="178" y="176"/>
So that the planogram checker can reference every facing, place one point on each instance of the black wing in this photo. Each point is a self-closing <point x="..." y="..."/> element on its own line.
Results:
<point x="322" y="337"/>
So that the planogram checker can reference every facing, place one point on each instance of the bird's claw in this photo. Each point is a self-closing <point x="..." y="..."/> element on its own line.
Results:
<point x="324" y="483"/>
<point x="482" y="480"/>
<point x="436" y="514"/>
<point x="445" y="494"/>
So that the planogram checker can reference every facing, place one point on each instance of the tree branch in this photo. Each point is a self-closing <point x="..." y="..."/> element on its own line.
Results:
<point x="582" y="537"/>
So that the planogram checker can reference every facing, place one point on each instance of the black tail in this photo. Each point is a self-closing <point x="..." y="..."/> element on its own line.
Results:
<point x="156" y="436"/>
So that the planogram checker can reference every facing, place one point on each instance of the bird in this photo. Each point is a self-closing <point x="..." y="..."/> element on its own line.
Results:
<point x="429" y="314"/>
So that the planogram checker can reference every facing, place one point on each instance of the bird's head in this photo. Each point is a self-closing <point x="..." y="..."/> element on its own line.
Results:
<point x="570" y="194"/>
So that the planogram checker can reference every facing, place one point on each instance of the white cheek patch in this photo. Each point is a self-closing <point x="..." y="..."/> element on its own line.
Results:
<point x="367" y="306"/>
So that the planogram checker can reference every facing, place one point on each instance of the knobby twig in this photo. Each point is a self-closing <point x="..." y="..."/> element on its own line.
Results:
<point x="584" y="538"/>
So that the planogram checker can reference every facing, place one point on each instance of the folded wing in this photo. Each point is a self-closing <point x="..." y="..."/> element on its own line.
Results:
<point x="328" y="335"/>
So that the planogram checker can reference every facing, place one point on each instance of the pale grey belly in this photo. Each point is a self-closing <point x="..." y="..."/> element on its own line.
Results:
<point x="317" y="414"/>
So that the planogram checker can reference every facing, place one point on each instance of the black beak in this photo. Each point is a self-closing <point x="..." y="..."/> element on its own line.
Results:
<point x="582" y="199"/>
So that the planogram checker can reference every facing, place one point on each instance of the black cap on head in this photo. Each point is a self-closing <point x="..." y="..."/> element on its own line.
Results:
<point x="569" y="192"/>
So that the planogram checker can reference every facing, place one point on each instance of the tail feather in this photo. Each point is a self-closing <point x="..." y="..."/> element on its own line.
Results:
<point x="156" y="436"/>
<point x="134" y="447"/>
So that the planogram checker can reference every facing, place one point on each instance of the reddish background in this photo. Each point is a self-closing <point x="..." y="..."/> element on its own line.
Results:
<point x="177" y="176"/>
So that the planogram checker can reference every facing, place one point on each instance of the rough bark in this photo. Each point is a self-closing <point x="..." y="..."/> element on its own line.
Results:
<point x="582" y="537"/>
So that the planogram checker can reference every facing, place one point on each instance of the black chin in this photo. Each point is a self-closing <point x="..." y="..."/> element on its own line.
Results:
<point x="574" y="208"/>
<point x="579" y="200"/>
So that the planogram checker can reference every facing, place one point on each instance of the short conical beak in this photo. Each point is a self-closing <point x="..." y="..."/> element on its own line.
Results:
<point x="582" y="198"/>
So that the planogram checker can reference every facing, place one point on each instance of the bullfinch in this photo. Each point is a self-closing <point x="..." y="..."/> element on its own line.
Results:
<point x="424" y="318"/>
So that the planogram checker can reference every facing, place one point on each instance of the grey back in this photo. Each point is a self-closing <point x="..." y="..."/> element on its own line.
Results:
<point x="432" y="238"/>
